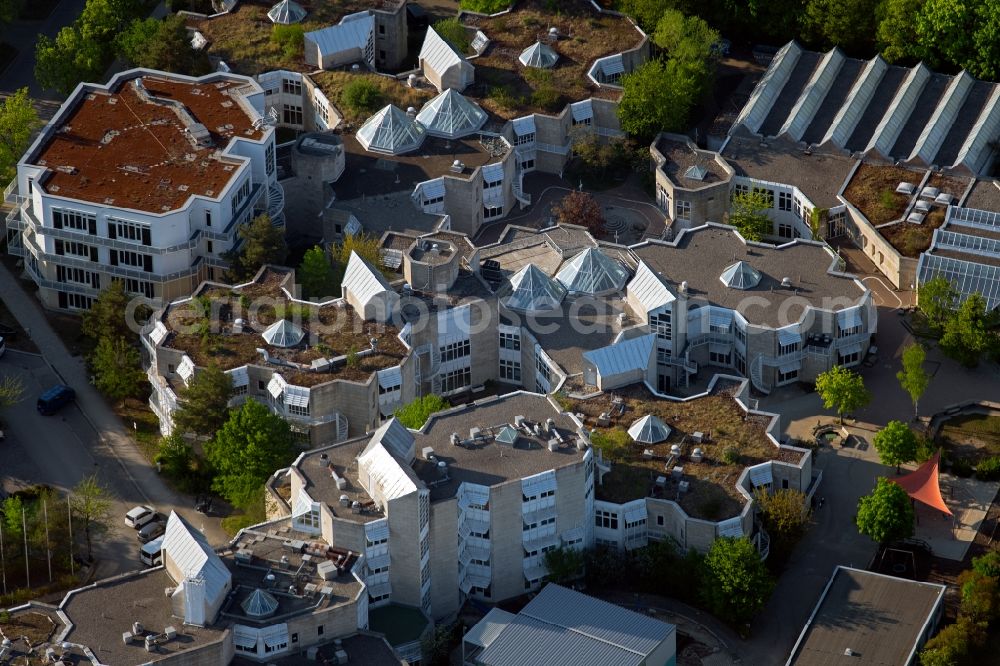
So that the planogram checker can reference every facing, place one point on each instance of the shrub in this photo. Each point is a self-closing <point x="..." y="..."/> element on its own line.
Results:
<point x="485" y="6"/>
<point x="614" y="444"/>
<point x="504" y="98"/>
<point x="988" y="469"/>
<point x="961" y="467"/>
<point x="547" y="98"/>
<point x="731" y="455"/>
<point x="290" y="38"/>
<point x="363" y="95"/>
<point x="453" y="32"/>
<point x="415" y="414"/>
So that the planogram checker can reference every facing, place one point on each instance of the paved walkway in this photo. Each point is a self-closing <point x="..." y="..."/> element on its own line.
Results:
<point x="143" y="483"/>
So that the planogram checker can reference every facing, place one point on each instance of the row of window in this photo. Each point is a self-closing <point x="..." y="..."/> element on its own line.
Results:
<point x="540" y="523"/>
<point x="510" y="370"/>
<point x="455" y="350"/>
<point x="510" y="341"/>
<point x="74" y="249"/>
<point x="132" y="259"/>
<point x="129" y="231"/>
<point x="79" y="276"/>
<point x="456" y="379"/>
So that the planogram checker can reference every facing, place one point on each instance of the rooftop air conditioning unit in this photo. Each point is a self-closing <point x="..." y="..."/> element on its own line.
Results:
<point x="553" y="445"/>
<point x="345" y="500"/>
<point x="786" y="282"/>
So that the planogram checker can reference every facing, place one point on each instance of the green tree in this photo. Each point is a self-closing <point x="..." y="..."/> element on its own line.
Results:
<point x="647" y="13"/>
<point x="849" y="24"/>
<point x="896" y="34"/>
<point x="564" y="565"/>
<point x="967" y="334"/>
<point x="913" y="378"/>
<point x="18" y="121"/>
<point x="415" y="414"/>
<point x="249" y="447"/>
<point x="204" y="404"/>
<point x="102" y="20"/>
<point x="291" y="39"/>
<point x="936" y="299"/>
<point x="842" y="389"/>
<point x="11" y="390"/>
<point x="686" y="38"/>
<point x="91" y="504"/>
<point x="659" y="97"/>
<point x="263" y="243"/>
<point x="117" y="369"/>
<point x="747" y="214"/>
<point x="362" y="95"/>
<point x="367" y="247"/>
<point x="784" y="512"/>
<point x="164" y="45"/>
<point x="315" y="274"/>
<point x="736" y="583"/>
<point x="13" y="527"/>
<point x="896" y="444"/>
<point x="886" y="515"/>
<point x="963" y="33"/>
<point x="65" y="61"/>
<point x="105" y="320"/>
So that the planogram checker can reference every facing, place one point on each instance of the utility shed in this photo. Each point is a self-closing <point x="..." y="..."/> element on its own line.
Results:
<point x="562" y="627"/>
<point x="868" y="619"/>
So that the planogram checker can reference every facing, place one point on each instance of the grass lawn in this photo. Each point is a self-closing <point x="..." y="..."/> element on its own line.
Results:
<point x="872" y="190"/>
<point x="971" y="436"/>
<point x="142" y="423"/>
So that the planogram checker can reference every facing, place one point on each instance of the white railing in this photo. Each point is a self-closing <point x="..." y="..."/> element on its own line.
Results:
<point x="10" y="192"/>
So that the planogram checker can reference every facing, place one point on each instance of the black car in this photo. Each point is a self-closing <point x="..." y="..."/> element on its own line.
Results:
<point x="55" y="399"/>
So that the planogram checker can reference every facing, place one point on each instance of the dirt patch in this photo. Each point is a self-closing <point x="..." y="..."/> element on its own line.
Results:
<point x="911" y="239"/>
<point x="971" y="437"/>
<point x="508" y="89"/>
<point x="730" y="442"/>
<point x="36" y="628"/>
<point x="872" y="190"/>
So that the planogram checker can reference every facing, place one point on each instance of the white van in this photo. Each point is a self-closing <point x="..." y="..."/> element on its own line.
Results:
<point x="151" y="554"/>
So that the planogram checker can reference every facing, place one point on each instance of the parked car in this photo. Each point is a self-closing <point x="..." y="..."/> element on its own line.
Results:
<point x="55" y="399"/>
<point x="151" y="530"/>
<point x="151" y="552"/>
<point x="138" y="516"/>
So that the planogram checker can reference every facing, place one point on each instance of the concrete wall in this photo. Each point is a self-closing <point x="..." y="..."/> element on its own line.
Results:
<point x="404" y="552"/>
<point x="444" y="558"/>
<point x="391" y="38"/>
<point x="506" y="527"/>
<point x="219" y="653"/>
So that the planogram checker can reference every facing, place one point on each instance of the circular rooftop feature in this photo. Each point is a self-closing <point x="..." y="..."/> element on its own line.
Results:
<point x="541" y="56"/>
<point x="451" y="116"/>
<point x="740" y="275"/>
<point x="259" y="604"/>
<point x="286" y="12"/>
<point x="649" y="430"/>
<point x="283" y="333"/>
<point x="592" y="272"/>
<point x="391" y="131"/>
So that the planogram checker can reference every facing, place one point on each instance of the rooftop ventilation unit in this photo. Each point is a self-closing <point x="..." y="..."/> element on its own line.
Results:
<point x="457" y="441"/>
<point x="786" y="282"/>
<point x="345" y="500"/>
<point x="696" y="172"/>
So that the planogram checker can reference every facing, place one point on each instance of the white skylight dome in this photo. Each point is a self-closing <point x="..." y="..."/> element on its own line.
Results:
<point x="740" y="275"/>
<point x="391" y="131"/>
<point x="531" y="290"/>
<point x="592" y="272"/>
<point x="283" y="333"/>
<point x="539" y="55"/>
<point x="649" y="430"/>
<point x="286" y="12"/>
<point x="450" y="115"/>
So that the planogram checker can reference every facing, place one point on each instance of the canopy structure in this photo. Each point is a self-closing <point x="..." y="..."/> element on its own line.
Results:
<point x="922" y="484"/>
<point x="649" y="429"/>
<point x="531" y="290"/>
<point x="740" y="275"/>
<point x="539" y="55"/>
<point x="259" y="604"/>
<point x="391" y="131"/>
<point x="450" y="115"/>
<point x="283" y="333"/>
<point x="592" y="272"/>
<point x="286" y="12"/>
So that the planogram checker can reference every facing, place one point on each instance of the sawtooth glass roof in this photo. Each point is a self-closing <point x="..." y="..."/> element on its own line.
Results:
<point x="531" y="290"/>
<point x="539" y="55"/>
<point x="391" y="131"/>
<point x="283" y="333"/>
<point x="450" y="116"/>
<point x="592" y="272"/>
<point x="286" y="12"/>
<point x="740" y="275"/>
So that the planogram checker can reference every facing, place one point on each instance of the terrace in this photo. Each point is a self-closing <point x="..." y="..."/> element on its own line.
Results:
<point x="242" y="38"/>
<point x="316" y="467"/>
<point x="508" y="89"/>
<point x="223" y="325"/>
<point x="679" y="157"/>
<point x="730" y="442"/>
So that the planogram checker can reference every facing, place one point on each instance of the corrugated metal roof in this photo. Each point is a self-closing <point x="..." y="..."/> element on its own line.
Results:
<point x="186" y="368"/>
<point x="524" y="126"/>
<point x="385" y="473"/>
<point x="353" y="32"/>
<point x="487" y="629"/>
<point x="561" y="627"/>
<point x="239" y="376"/>
<point x="789" y="335"/>
<point x="395" y="437"/>
<point x="377" y="530"/>
<point x="649" y="288"/>
<point x="732" y="527"/>
<point x="849" y="318"/>
<point x="790" y="367"/>
<point x="431" y="189"/>
<point x="625" y="356"/>
<point x="390" y="377"/>
<point x="538" y="483"/>
<point x="761" y="475"/>
<point x="581" y="110"/>
<point x="609" y="65"/>
<point x="297" y="396"/>
<point x="493" y="172"/>
<point x="438" y="54"/>
<point x="720" y="317"/>
<point x="362" y="281"/>
<point x="276" y="386"/>
<point x="195" y="558"/>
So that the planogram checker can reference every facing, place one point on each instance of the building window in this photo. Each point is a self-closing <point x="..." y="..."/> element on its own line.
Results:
<point x="659" y="520"/>
<point x="208" y="218"/>
<point x="786" y="231"/>
<point x="319" y="630"/>
<point x="78" y="276"/>
<point x="510" y="341"/>
<point x="240" y="195"/>
<point x="433" y="200"/>
<point x="381" y="31"/>
<point x="381" y="54"/>
<point x="268" y="161"/>
<point x="790" y="348"/>
<point x="130" y="232"/>
<point x="741" y="363"/>
<point x="683" y="210"/>
<point x="719" y="358"/>
<point x="132" y="259"/>
<point x="144" y="287"/>
<point x="298" y="410"/>
<point x="74" y="301"/>
<point x="456" y="379"/>
<point x="492" y="183"/>
<point x="797" y="207"/>
<point x="527" y="164"/>
<point x="787" y="376"/>
<point x="848" y="359"/>
<point x="82" y="250"/>
<point x="660" y="323"/>
<point x="292" y="114"/>
<point x="455" y="350"/>
<point x="606" y="519"/>
<point x="291" y="87"/>
<point x="510" y="370"/>
<point x="239" y="390"/>
<point x="785" y="201"/>
<point x="75" y="220"/>
<point x="741" y="334"/>
<point x="523" y="139"/>
<point x="847" y="332"/>
<point x="492" y="211"/>
<point x="767" y="194"/>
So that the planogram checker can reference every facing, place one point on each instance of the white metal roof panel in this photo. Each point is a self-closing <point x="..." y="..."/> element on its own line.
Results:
<point x="244" y="636"/>
<point x="276" y="386"/>
<point x="791" y="366"/>
<point x="195" y="558"/>
<point x="849" y="318"/>
<point x="733" y="527"/>
<point x="524" y="126"/>
<point x="296" y="396"/>
<point x="186" y="368"/>
<point x="438" y="54"/>
<point x="390" y="377"/>
<point x="487" y="629"/>
<point x="158" y="333"/>
<point x="649" y="288"/>
<point x="239" y="376"/>
<point x="385" y="473"/>
<point x="395" y="437"/>
<point x="789" y="335"/>
<point x="851" y="349"/>
<point x="362" y="281"/>
<point x="377" y="530"/>
<point x="353" y="32"/>
<point x="720" y="317"/>
<point x="761" y="475"/>
<point x="636" y="512"/>
<point x="493" y="172"/>
<point x="538" y="483"/>
<point x="622" y="357"/>
<point x="581" y="110"/>
<point x="473" y="493"/>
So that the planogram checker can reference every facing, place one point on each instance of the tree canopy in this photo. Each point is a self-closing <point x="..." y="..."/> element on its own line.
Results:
<point x="18" y="121"/>
<point x="896" y="444"/>
<point x="415" y="414"/>
<point x="886" y="515"/>
<point x="747" y="214"/>
<point x="91" y="504"/>
<point x="913" y="377"/>
<point x="658" y="96"/>
<point x="65" y="61"/>
<point x="251" y="444"/>
<point x="367" y="247"/>
<point x="580" y="208"/>
<point x="842" y="390"/>
<point x="164" y="45"/>
<point x="967" y="334"/>
<point x="315" y="274"/>
<point x="204" y="404"/>
<point x="936" y="299"/>
<point x="737" y="583"/>
<point x="263" y="243"/>
<point x="117" y="369"/>
<point x="106" y="317"/>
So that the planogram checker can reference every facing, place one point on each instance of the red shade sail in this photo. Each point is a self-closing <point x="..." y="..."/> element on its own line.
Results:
<point x="922" y="484"/>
